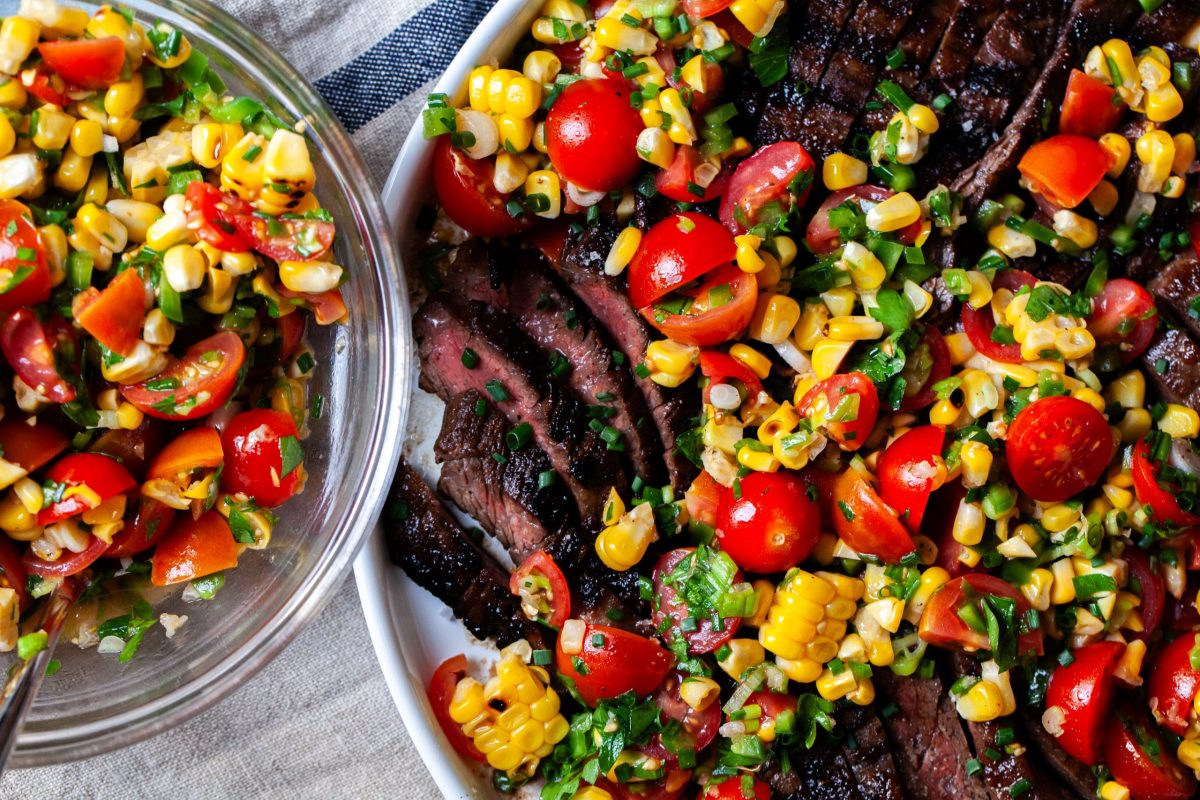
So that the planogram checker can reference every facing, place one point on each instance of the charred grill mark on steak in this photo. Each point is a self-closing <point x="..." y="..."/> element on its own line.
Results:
<point x="868" y="752"/>
<point x="426" y="542"/>
<point x="821" y="773"/>
<point x="444" y="329"/>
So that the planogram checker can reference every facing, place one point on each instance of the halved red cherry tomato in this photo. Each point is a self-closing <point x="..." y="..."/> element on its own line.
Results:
<point x="698" y="728"/>
<point x="675" y="252"/>
<point x="735" y="789"/>
<point x="824" y="402"/>
<point x="1090" y="108"/>
<point x="136" y="448"/>
<point x="670" y="609"/>
<point x="1150" y="588"/>
<point x="195" y="385"/>
<point x="823" y="238"/>
<point x="68" y="563"/>
<point x="1065" y="169"/>
<point x="150" y="523"/>
<point x="1084" y="691"/>
<point x="291" y="332"/>
<point x="1057" y="447"/>
<point x="87" y="63"/>
<point x="539" y="582"/>
<point x="864" y="522"/>
<point x="286" y="239"/>
<point x="1138" y="758"/>
<point x="942" y="625"/>
<point x="718" y="310"/>
<point x="263" y="458"/>
<point x="780" y="173"/>
<point x="978" y="323"/>
<point x="21" y="255"/>
<point x="613" y="662"/>
<point x="910" y="469"/>
<point x="932" y="347"/>
<point x="43" y="84"/>
<point x="1163" y="499"/>
<point x="27" y="347"/>
<point x="705" y="8"/>
<point x="1123" y="318"/>
<point x="772" y="526"/>
<point x="720" y="368"/>
<point x="30" y="446"/>
<point x="326" y="307"/>
<point x="199" y="448"/>
<point x="212" y="213"/>
<point x="677" y="180"/>
<point x="591" y="134"/>
<point x="114" y="316"/>
<point x="12" y="572"/>
<point x="104" y="476"/>
<point x="703" y="498"/>
<point x="192" y="549"/>
<point x="440" y="692"/>
<point x="1174" y="683"/>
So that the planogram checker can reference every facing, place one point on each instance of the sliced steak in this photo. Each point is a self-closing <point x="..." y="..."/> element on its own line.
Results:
<point x="1178" y="355"/>
<point x="582" y="268"/>
<point x="521" y="283"/>
<point x="929" y="747"/>
<point x="1176" y="286"/>
<point x="512" y="370"/>
<point x="868" y="752"/>
<point x="964" y="35"/>
<point x="821" y="773"/>
<point x="919" y="42"/>
<point x="815" y="30"/>
<point x="426" y="542"/>
<point x="1077" y="775"/>
<point x="504" y="495"/>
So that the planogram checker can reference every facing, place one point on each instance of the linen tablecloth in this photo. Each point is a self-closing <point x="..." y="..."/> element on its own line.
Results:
<point x="318" y="721"/>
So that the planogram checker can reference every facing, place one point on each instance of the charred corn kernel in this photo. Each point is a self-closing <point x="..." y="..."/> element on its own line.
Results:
<point x="545" y="183"/>
<point x="854" y="329"/>
<point x="748" y="259"/>
<point x="983" y="702"/>
<point x="135" y="215"/>
<point x="828" y="355"/>
<point x="1119" y="151"/>
<point x="667" y="355"/>
<point x="699" y="692"/>
<point x="743" y="654"/>
<point x="1185" y="153"/>
<point x="1164" y="103"/>
<point x="750" y="358"/>
<point x="944" y="412"/>
<point x="809" y="330"/>
<point x="310" y="277"/>
<point x="1080" y="230"/>
<point x="184" y="268"/>
<point x="682" y="129"/>
<point x="655" y="147"/>
<point x="18" y="37"/>
<point x="782" y="421"/>
<point x="1104" y="198"/>
<point x="1188" y="753"/>
<point x="242" y="167"/>
<point x="841" y="171"/>
<point x="1156" y="152"/>
<point x="1134" y="424"/>
<point x="1180" y="422"/>
<point x="102" y="225"/>
<point x="968" y="524"/>
<point x="1013" y="244"/>
<point x="622" y="250"/>
<point x="124" y="97"/>
<point x="287" y="164"/>
<point x="896" y="212"/>
<point x="866" y="271"/>
<point x="614" y="34"/>
<point x="924" y="118"/>
<point x="622" y="546"/>
<point x="774" y="319"/>
<point x="541" y="66"/>
<point x="976" y="464"/>
<point x="210" y="140"/>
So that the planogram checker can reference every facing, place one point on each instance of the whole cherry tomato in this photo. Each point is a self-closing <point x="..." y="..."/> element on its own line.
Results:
<point x="1083" y="690"/>
<point x="846" y="406"/>
<point x="867" y="524"/>
<point x="263" y="457"/>
<point x="772" y="526"/>
<point x="1057" y="447"/>
<point x="611" y="662"/>
<point x="910" y="469"/>
<point x="591" y="134"/>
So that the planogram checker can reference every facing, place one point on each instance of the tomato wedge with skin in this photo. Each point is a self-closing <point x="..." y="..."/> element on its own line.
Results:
<point x="934" y="345"/>
<point x="199" y="448"/>
<point x="195" y="385"/>
<point x="114" y="316"/>
<point x="150" y="523"/>
<point x="698" y="9"/>
<point x="670" y="609"/>
<point x="104" y="476"/>
<point x="68" y="563"/>
<point x="591" y="134"/>
<point x="677" y="180"/>
<point x="865" y="523"/>
<point x="86" y="63"/>
<point x="1138" y="758"/>
<point x="703" y="498"/>
<point x="136" y="448"/>
<point x="1150" y="589"/>
<point x="909" y="470"/>
<point x="722" y="368"/>
<point x="326" y="307"/>
<point x="1090" y="108"/>
<point x="719" y="309"/>
<point x="824" y="401"/>
<point x="30" y="446"/>
<point x="941" y="624"/>
<point x="540" y="583"/>
<point x="440" y="692"/>
<point x="1084" y="691"/>
<point x="780" y="173"/>
<point x="211" y="213"/>
<point x="613" y="662"/>
<point x="27" y="348"/>
<point x="1123" y="318"/>
<point x="1173" y="684"/>
<point x="43" y="84"/>
<point x="1163" y="500"/>
<point x="978" y="323"/>
<point x="466" y="193"/>
<point x="1065" y="168"/>
<point x="823" y="238"/>
<point x="192" y="549"/>
<point x="21" y="253"/>
<point x="698" y="728"/>
<point x="675" y="252"/>
<point x="1057" y="447"/>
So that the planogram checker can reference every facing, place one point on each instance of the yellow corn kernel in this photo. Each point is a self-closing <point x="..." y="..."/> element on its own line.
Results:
<point x="1164" y="103"/>
<point x="614" y="34"/>
<point x="1063" y="590"/>
<point x="698" y="692"/>
<point x="1059" y="517"/>
<point x="1134" y="424"/>
<point x="896" y="212"/>
<point x="1080" y="230"/>
<point x="667" y="355"/>
<point x="827" y="357"/>
<point x="516" y="133"/>
<point x="1118" y="53"/>
<point x="623" y="545"/>
<point x="748" y="259"/>
<point x="124" y="97"/>
<point x="756" y="460"/>
<point x="1173" y="187"/>
<point x="477" y="87"/>
<point x="87" y="137"/>
<point x="522" y="97"/>
<point x="750" y="358"/>
<point x="1111" y="790"/>
<point x="18" y="37"/>
<point x="774" y="319"/>
<point x="1188" y="753"/>
<point x="981" y="289"/>
<point x="102" y="225"/>
<point x="968" y="524"/>
<point x="209" y="142"/>
<point x="1013" y="244"/>
<point x="287" y="165"/>
<point x="592" y="793"/>
<point x="309" y="277"/>
<point x="840" y="301"/>
<point x="841" y="171"/>
<point x="53" y="128"/>
<point x="923" y="118"/>
<point x="622" y="250"/>
<point x="809" y="330"/>
<point x="800" y="669"/>
<point x="541" y="66"/>
<point x="136" y="216"/>
<point x="782" y="421"/>
<point x="682" y="129"/>
<point x="1091" y="397"/>
<point x="242" y="167"/>
<point x="218" y="296"/>
<point x="14" y="516"/>
<point x="834" y="687"/>
<point x="944" y="412"/>
<point x="743" y="654"/>
<point x="1180" y="422"/>
<point x="758" y="16"/>
<point x="976" y="464"/>
<point x="960" y="348"/>
<point x="73" y="172"/>
<point x="1119" y="150"/>
<point x="854" y="329"/>
<point x="693" y="73"/>
<point x="655" y="146"/>
<point x="1156" y="152"/>
<point x="545" y="182"/>
<point x="1185" y="153"/>
<point x="12" y="94"/>
<point x="866" y="271"/>
<point x="1104" y="198"/>
<point x="982" y="702"/>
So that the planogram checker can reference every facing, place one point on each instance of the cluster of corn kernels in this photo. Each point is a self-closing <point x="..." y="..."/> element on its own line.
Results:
<point x="911" y="131"/>
<point x="1144" y="82"/>
<point x="514" y="718"/>
<point x="807" y="620"/>
<point x="988" y="698"/>
<point x="626" y="535"/>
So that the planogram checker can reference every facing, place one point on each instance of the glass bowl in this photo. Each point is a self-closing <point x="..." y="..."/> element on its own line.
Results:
<point x="94" y="703"/>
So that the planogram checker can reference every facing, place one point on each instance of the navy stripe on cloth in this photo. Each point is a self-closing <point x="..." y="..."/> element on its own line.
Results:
<point x="414" y="53"/>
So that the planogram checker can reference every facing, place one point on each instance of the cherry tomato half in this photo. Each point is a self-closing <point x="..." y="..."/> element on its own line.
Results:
<point x="678" y="180"/>
<point x="30" y="446"/>
<point x="715" y="312"/>
<point x="823" y="238"/>
<point x="1174" y="683"/>
<point x="675" y="252"/>
<point x="943" y="625"/>
<point x="613" y="662"/>
<point x="440" y="692"/>
<point x="780" y="173"/>
<point x="697" y="728"/>
<point x="46" y="86"/>
<point x="211" y="212"/>
<point x="69" y="563"/>
<point x="29" y="350"/>
<point x="721" y="368"/>
<point x="1138" y="758"/>
<point x="195" y="385"/>
<point x="114" y="316"/>
<point x="926" y="365"/>
<point x="1147" y="583"/>
<point x="1090" y="108"/>
<point x="150" y="523"/>
<point x="541" y="584"/>
<point x="263" y="457"/>
<point x="864" y="522"/>
<point x="832" y="405"/>
<point x="978" y="323"/>
<point x="192" y="549"/>
<point x="103" y="476"/>
<point x="772" y="526"/>
<point x="1084" y="691"/>
<point x="1123" y="319"/>
<point x="1161" y="496"/>
<point x="909" y="470"/>
<point x="591" y="134"/>
<point x="1057" y="447"/>
<point x="670" y="608"/>
<point x="22" y="256"/>
<point x="87" y="63"/>
<point x="1065" y="168"/>
<point x="735" y="789"/>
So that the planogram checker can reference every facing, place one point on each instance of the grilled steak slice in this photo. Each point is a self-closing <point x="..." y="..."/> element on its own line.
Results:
<point x="928" y="744"/>
<point x="582" y="268"/>
<point x="821" y="773"/>
<point x="503" y="496"/>
<point x="514" y="369"/>
<point x="1167" y="23"/>
<point x="1179" y="357"/>
<point x="1176" y="286"/>
<point x="429" y="545"/>
<point x="1077" y="775"/>
<point x="868" y="753"/>
<point x="520" y="283"/>
<point x="815" y="31"/>
<point x="918" y="43"/>
<point x="965" y="33"/>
